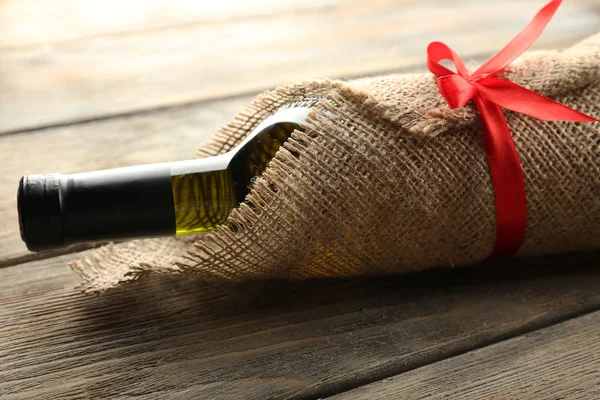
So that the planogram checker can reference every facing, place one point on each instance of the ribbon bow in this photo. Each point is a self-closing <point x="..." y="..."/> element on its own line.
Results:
<point x="490" y="94"/>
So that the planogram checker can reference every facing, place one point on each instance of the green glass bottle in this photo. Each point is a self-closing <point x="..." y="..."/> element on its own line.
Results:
<point x="177" y="198"/>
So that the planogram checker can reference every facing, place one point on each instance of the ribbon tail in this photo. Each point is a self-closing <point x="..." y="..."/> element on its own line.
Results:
<point x="507" y="178"/>
<point x="438" y="51"/>
<point x="517" y="98"/>
<point x="520" y="43"/>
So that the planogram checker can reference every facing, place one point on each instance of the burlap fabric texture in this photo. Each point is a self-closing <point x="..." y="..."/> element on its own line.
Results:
<point x="387" y="179"/>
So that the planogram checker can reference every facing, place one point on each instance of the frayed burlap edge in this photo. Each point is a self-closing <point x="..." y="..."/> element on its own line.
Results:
<point x="420" y="113"/>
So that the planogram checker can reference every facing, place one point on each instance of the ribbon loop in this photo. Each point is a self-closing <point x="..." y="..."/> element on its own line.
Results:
<point x="438" y="51"/>
<point x="489" y="94"/>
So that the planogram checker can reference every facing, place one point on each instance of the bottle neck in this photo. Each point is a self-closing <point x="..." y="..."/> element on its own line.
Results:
<point x="163" y="199"/>
<point x="114" y="204"/>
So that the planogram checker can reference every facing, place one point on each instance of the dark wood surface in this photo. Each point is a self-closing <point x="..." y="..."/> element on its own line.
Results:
<point x="558" y="362"/>
<point x="166" y="338"/>
<point x="87" y="85"/>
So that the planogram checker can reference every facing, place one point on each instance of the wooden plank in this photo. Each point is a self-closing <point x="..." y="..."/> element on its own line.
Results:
<point x="95" y="77"/>
<point x="558" y="362"/>
<point x="39" y="22"/>
<point x="167" y="135"/>
<point x="163" y="338"/>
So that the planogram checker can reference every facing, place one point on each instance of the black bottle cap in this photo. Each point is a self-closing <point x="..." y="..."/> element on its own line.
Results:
<point x="40" y="221"/>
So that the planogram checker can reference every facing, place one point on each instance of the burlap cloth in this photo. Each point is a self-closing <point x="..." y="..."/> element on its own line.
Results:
<point x="385" y="180"/>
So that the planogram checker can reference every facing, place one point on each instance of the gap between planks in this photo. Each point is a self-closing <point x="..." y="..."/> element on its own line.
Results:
<point x="82" y="80"/>
<point x="166" y="135"/>
<point x="555" y="362"/>
<point x="416" y="68"/>
<point x="160" y="338"/>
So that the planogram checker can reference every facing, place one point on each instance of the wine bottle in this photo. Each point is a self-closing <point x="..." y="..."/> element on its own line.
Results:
<point x="176" y="198"/>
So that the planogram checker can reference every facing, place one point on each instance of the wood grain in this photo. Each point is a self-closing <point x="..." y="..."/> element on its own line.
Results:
<point x="558" y="362"/>
<point x="177" y="338"/>
<point x="106" y="75"/>
<point x="167" y="135"/>
<point x="143" y="77"/>
<point x="39" y="22"/>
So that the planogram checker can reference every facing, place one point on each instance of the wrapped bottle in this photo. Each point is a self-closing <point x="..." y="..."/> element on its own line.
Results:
<point x="175" y="198"/>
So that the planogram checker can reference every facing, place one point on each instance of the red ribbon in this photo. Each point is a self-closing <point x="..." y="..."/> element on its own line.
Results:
<point x="489" y="94"/>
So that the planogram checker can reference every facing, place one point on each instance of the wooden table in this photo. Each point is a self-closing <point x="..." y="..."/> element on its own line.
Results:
<point x="89" y="84"/>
